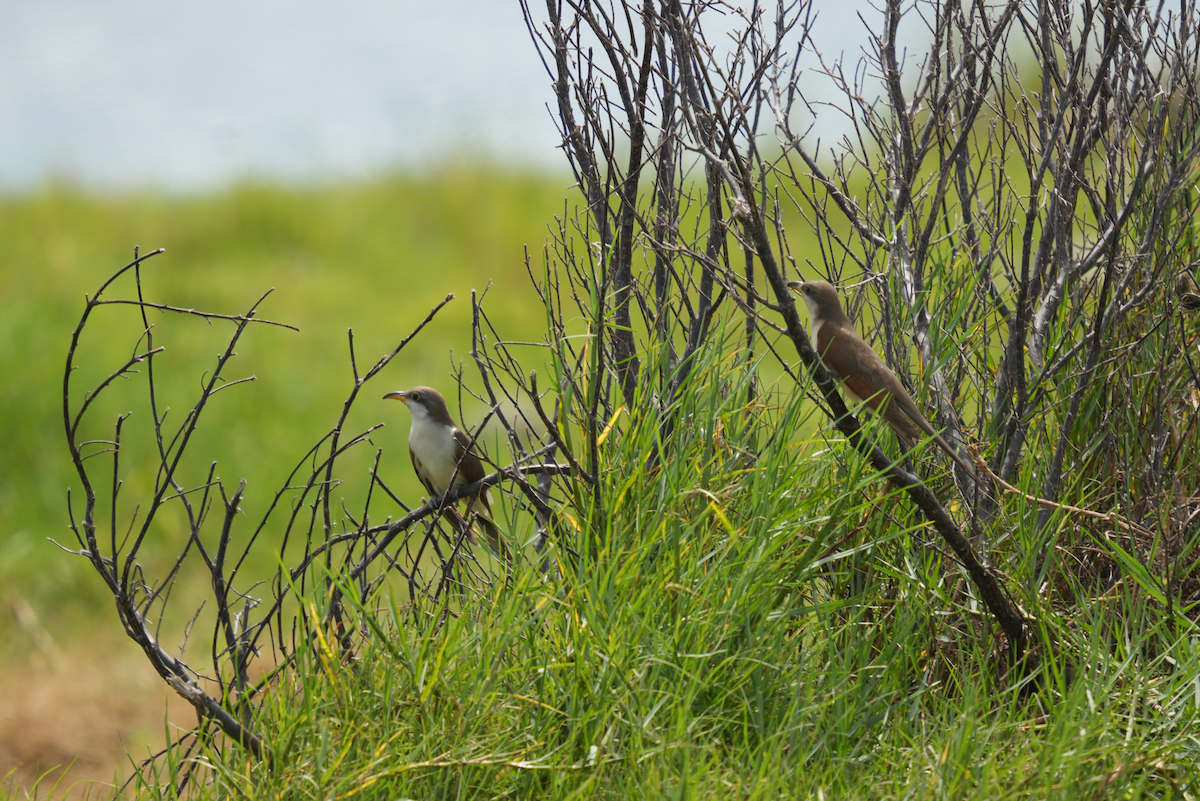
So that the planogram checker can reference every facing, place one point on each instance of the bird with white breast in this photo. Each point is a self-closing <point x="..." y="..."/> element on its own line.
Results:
<point x="444" y="458"/>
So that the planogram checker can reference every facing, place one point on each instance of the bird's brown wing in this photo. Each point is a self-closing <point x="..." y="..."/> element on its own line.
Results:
<point x="470" y="470"/>
<point x="851" y="359"/>
<point x="865" y="374"/>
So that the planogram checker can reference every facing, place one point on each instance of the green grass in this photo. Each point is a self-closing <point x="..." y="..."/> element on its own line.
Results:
<point x="776" y="627"/>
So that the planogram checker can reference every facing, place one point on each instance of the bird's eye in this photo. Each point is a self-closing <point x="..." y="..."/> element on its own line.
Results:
<point x="808" y="290"/>
<point x="414" y="396"/>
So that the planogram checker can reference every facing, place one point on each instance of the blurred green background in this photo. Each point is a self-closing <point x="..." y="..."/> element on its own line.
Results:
<point x="372" y="256"/>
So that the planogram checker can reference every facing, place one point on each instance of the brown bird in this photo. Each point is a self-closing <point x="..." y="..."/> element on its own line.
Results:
<point x="864" y="374"/>
<point x="442" y="453"/>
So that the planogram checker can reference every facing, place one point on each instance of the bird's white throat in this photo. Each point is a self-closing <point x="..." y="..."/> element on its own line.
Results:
<point x="814" y="322"/>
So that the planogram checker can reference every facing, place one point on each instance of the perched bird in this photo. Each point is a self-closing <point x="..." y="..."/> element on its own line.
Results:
<point x="442" y="452"/>
<point x="864" y="374"/>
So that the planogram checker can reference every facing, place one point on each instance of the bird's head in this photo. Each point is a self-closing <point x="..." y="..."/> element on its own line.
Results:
<point x="424" y="403"/>
<point x="821" y="299"/>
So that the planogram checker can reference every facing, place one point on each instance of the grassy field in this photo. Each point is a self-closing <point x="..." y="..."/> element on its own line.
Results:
<point x="766" y="618"/>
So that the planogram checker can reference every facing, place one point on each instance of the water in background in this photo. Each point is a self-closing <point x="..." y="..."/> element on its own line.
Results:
<point x="189" y="96"/>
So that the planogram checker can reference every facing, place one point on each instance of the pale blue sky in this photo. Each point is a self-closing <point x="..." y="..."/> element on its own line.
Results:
<point x="189" y="96"/>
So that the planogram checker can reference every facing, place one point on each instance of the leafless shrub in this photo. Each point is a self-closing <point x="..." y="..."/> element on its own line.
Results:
<point x="258" y="620"/>
<point x="1013" y="206"/>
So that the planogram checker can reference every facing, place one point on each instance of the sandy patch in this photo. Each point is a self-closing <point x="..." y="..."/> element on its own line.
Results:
<point x="80" y="713"/>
